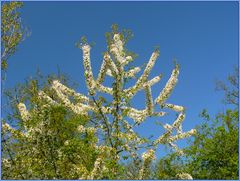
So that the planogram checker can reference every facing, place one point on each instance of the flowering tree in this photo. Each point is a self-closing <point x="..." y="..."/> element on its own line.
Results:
<point x="111" y="125"/>
<point x="49" y="145"/>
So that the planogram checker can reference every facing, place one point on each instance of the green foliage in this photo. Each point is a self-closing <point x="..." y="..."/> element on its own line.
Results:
<point x="168" y="167"/>
<point x="54" y="149"/>
<point x="52" y="152"/>
<point x="12" y="30"/>
<point x="214" y="152"/>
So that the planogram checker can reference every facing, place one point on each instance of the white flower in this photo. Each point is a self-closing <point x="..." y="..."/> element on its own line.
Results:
<point x="174" y="107"/>
<point x="179" y="120"/>
<point x="49" y="100"/>
<point x="127" y="60"/>
<point x="81" y="129"/>
<point x="23" y="111"/>
<point x="109" y="73"/>
<point x="165" y="93"/>
<point x="149" y="101"/>
<point x="56" y="84"/>
<point x="91" y="130"/>
<point x="6" y="127"/>
<point x="168" y="127"/>
<point x="132" y="72"/>
<point x="102" y="72"/>
<point x="97" y="169"/>
<point x="116" y="37"/>
<point x="137" y="115"/>
<point x="153" y="81"/>
<point x="147" y="159"/>
<point x="184" y="176"/>
<point x="104" y="89"/>
<point x="66" y="143"/>
<point x="140" y="82"/>
<point x="184" y="135"/>
<point x="150" y="154"/>
<point x="6" y="163"/>
<point x="112" y="66"/>
<point x="88" y="69"/>
<point x="15" y="133"/>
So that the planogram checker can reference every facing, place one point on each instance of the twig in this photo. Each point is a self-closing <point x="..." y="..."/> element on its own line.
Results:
<point x="105" y="121"/>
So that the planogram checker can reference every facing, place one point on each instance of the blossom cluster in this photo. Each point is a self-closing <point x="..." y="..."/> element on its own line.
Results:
<point x="109" y="67"/>
<point x="90" y="130"/>
<point x="165" y="93"/>
<point x="184" y="176"/>
<point x="97" y="169"/>
<point x="147" y="157"/>
<point x="150" y="154"/>
<point x="130" y="92"/>
<point x="114" y="62"/>
<point x="168" y="138"/>
<point x="23" y="111"/>
<point x="88" y="69"/>
<point x="6" y="128"/>
<point x="131" y="73"/>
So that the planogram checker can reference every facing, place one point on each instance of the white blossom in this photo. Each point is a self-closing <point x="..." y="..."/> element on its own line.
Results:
<point x="111" y="64"/>
<point x="147" y="159"/>
<point x="159" y="114"/>
<point x="127" y="60"/>
<point x="102" y="72"/>
<point x="23" y="111"/>
<point x="174" y="107"/>
<point x="168" y="127"/>
<point x="6" y="163"/>
<point x="126" y="125"/>
<point x="6" y="127"/>
<point x="149" y="101"/>
<point x="150" y="154"/>
<point x="153" y="81"/>
<point x="104" y="89"/>
<point x="179" y="120"/>
<point x="88" y="69"/>
<point x="165" y="93"/>
<point x="117" y="48"/>
<point x="109" y="73"/>
<point x="114" y="62"/>
<point x="97" y="169"/>
<point x="137" y="115"/>
<point x="66" y="143"/>
<point x="14" y="132"/>
<point x="44" y="96"/>
<point x="81" y="128"/>
<point x="132" y="72"/>
<point x="184" y="176"/>
<point x="183" y="135"/>
<point x="69" y="91"/>
<point x="140" y="82"/>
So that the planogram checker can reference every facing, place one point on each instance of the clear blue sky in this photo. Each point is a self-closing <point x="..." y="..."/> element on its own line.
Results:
<point x="202" y="36"/>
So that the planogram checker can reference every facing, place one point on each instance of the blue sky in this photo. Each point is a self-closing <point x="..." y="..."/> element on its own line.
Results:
<point x="202" y="36"/>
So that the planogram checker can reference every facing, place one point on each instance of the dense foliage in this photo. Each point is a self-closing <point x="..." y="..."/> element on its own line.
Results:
<point x="52" y="146"/>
